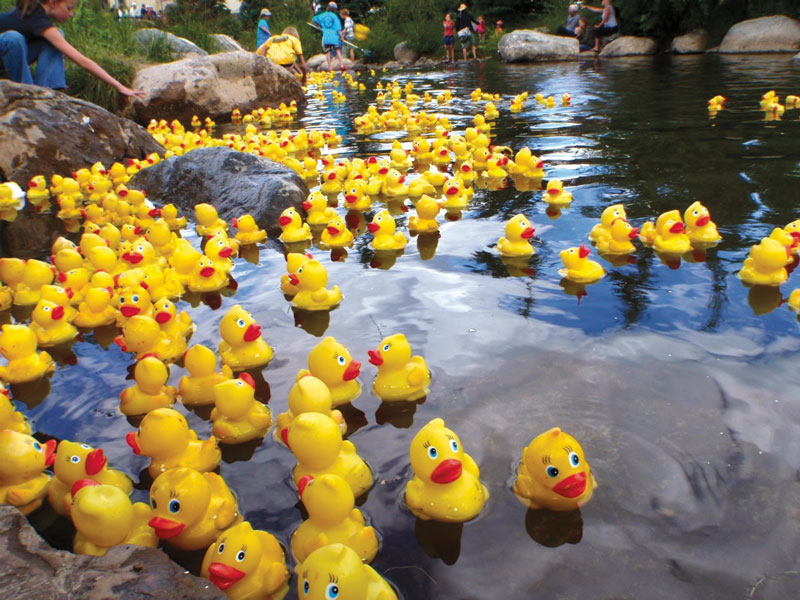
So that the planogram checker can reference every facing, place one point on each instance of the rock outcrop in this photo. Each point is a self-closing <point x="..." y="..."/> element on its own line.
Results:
<point x="526" y="45"/>
<point x="404" y="53"/>
<point x="32" y="570"/>
<point x="211" y="86"/>
<point x="44" y="132"/>
<point x="178" y="46"/>
<point x="319" y="62"/>
<point x="693" y="42"/>
<point x="226" y="43"/>
<point x="629" y="45"/>
<point x="777" y="33"/>
<point x="235" y="182"/>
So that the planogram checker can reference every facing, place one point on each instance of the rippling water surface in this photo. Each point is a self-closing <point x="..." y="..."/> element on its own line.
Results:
<point x="680" y="382"/>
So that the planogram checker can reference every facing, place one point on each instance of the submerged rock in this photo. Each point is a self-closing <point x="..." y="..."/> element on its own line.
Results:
<point x="178" y="46"/>
<point x="235" y="182"/>
<point x="44" y="132"/>
<point x="31" y="569"/>
<point x="212" y="86"/>
<point x="777" y="33"/>
<point x="693" y="42"/>
<point x="629" y="45"/>
<point x="404" y="53"/>
<point x="526" y="45"/>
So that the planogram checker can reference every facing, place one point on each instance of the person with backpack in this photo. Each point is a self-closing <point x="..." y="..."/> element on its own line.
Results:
<point x="330" y="24"/>
<point x="464" y="27"/>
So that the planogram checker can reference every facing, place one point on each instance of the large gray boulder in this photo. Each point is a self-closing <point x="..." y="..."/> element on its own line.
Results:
<point x="44" y="132"/>
<point x="796" y="57"/>
<point x="32" y="570"/>
<point x="178" y="46"/>
<point x="211" y="86"/>
<point x="526" y="45"/>
<point x="404" y="53"/>
<point x="629" y="45"/>
<point x="693" y="42"/>
<point x="235" y="182"/>
<point x="319" y="62"/>
<point x="226" y="43"/>
<point x="777" y="33"/>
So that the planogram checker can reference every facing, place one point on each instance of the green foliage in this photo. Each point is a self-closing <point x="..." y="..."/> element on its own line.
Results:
<point x="417" y="21"/>
<point x="509" y="9"/>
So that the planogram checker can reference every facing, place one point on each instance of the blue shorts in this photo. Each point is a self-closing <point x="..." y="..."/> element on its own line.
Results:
<point x="449" y="40"/>
<point x="331" y="47"/>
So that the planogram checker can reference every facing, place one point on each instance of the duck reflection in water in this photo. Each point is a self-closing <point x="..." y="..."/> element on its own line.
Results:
<point x="439" y="540"/>
<point x="518" y="266"/>
<point x="250" y="253"/>
<point x="399" y="414"/>
<point x="427" y="244"/>
<point x="764" y="299"/>
<point x="385" y="259"/>
<point x="315" y="322"/>
<point x="554" y="528"/>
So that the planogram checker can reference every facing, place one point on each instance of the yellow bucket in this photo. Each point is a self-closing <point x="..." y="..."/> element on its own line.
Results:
<point x="361" y="32"/>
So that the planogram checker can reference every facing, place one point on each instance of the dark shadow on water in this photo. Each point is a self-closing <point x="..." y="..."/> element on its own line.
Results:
<point x="400" y="414"/>
<point x="32" y="392"/>
<point x="439" y="540"/>
<point x="232" y="453"/>
<point x="315" y="322"/>
<point x="553" y="528"/>
<point x="355" y="418"/>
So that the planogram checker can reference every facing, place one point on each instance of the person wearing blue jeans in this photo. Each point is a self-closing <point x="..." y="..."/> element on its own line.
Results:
<point x="27" y="36"/>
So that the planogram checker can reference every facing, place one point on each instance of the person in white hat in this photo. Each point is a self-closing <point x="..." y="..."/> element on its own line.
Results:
<point x="465" y="24"/>
<point x="573" y="18"/>
<point x="328" y="21"/>
<point x="263" y="33"/>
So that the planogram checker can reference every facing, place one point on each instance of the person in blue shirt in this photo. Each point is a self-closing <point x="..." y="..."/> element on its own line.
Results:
<point x="330" y="24"/>
<point x="263" y="33"/>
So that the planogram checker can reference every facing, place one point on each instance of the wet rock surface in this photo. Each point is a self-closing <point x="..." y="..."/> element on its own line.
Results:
<point x="178" y="46"/>
<point x="525" y="45"/>
<point x="777" y="33"/>
<point x="629" y="45"/>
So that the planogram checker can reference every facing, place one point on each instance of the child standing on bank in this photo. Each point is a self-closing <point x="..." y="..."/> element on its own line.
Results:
<point x="480" y="29"/>
<point x="348" y="31"/>
<point x="449" y="39"/>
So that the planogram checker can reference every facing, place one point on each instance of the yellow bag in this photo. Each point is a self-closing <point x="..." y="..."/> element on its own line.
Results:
<point x="361" y="32"/>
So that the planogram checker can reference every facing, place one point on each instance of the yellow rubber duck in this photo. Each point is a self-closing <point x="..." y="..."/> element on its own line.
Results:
<point x="620" y="241"/>
<point x="207" y="276"/>
<point x="23" y="481"/>
<point x="316" y="442"/>
<point x="35" y="274"/>
<point x="10" y="418"/>
<point x="208" y="221"/>
<point x="161" y="283"/>
<point x="336" y="571"/>
<point x="293" y="228"/>
<point x="75" y="461"/>
<point x="242" y="346"/>
<point x="49" y="324"/>
<point x="310" y="394"/>
<point x="6" y="297"/>
<point x="394" y="184"/>
<point x="191" y="509"/>
<point x="140" y="253"/>
<point x="331" y="362"/>
<point x="385" y="236"/>
<point x="37" y="190"/>
<point x="699" y="226"/>
<point x="516" y="242"/>
<point x="18" y="346"/>
<point x="317" y="209"/>
<point x="247" y="564"/>
<point x="490" y="112"/>
<point x="670" y="235"/>
<point x="197" y="388"/>
<point x="578" y="268"/>
<point x="63" y="298"/>
<point x="555" y="195"/>
<point x="96" y="308"/>
<point x="133" y="302"/>
<point x="435" y="177"/>
<point x="455" y="194"/>
<point x="765" y="265"/>
<point x="150" y="390"/>
<point x="607" y="218"/>
<point x="425" y="219"/>
<point x="400" y="376"/>
<point x="310" y="280"/>
<point x="104" y="517"/>
<point x="336" y="234"/>
<point x="247" y="231"/>
<point x="237" y="416"/>
<point x="142" y="336"/>
<point x="184" y="260"/>
<point x="421" y="151"/>
<point x="165" y="437"/>
<point x="169" y="212"/>
<point x="356" y="197"/>
<point x="332" y="519"/>
<point x="161" y="238"/>
<point x="554" y="474"/>
<point x="446" y="483"/>
<point x="331" y="182"/>
<point x="294" y="260"/>
<point x="12" y="271"/>
<point x="400" y="158"/>
<point x="174" y="325"/>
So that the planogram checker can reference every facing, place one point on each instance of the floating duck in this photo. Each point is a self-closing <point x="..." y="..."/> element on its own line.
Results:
<point x="343" y="566"/>
<point x="23" y="481"/>
<point x="446" y="483"/>
<point x="242" y="346"/>
<point x="336" y="234"/>
<point x="246" y="564"/>
<point x="142" y="336"/>
<point x="670" y="236"/>
<point x="620" y="242"/>
<point x="35" y="275"/>
<point x="310" y="394"/>
<point x="12" y="271"/>
<point x="169" y="212"/>
<point x="220" y="249"/>
<point x="555" y="195"/>
<point x="400" y="376"/>
<point x="764" y="266"/>
<point x="455" y="194"/>
<point x="165" y="437"/>
<point x="49" y="324"/>
<point x="425" y="219"/>
<point x="37" y="190"/>
<point x="294" y="260"/>
<point x="527" y="165"/>
<point x="104" y="517"/>
<point x="237" y="416"/>
<point x="554" y="474"/>
<point x="490" y="111"/>
<point x="208" y="221"/>
<point x="578" y="268"/>
<point x="516" y="241"/>
<point x="316" y="442"/>
<point x="197" y="388"/>
<point x="331" y="362"/>
<point x="310" y="280"/>
<point x="175" y="326"/>
<point x="607" y="218"/>
<point x="75" y="461"/>
<point x="385" y="236"/>
<point x="133" y="302"/>
<point x="394" y="184"/>
<point x="207" y="276"/>
<point x="355" y="195"/>
<point x="247" y="231"/>
<point x="699" y="226"/>
<point x="18" y="346"/>
<point x="399" y="158"/>
<point x="317" y="209"/>
<point x="191" y="508"/>
<point x="294" y="230"/>
<point x="63" y="298"/>
<point x="10" y="418"/>
<point x="332" y="519"/>
<point x="161" y="284"/>
<point x="150" y="390"/>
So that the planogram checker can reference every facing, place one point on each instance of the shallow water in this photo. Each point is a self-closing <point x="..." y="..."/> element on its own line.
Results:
<point x="680" y="383"/>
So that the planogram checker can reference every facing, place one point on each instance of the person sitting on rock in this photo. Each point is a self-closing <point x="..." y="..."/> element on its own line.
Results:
<point x="568" y="29"/>
<point x="585" y="35"/>
<point x="27" y="36"/>
<point x="608" y="24"/>
<point x="284" y="49"/>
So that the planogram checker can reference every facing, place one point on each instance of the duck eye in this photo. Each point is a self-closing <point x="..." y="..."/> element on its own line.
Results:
<point x="386" y="347"/>
<point x="332" y="591"/>
<point x="433" y="453"/>
<point x="552" y="471"/>
<point x="86" y="446"/>
<point x="46" y="308"/>
<point x="134" y="298"/>
<point x="153" y="503"/>
<point x="75" y="459"/>
<point x="341" y="360"/>
<point x="221" y="548"/>
<point x="174" y="506"/>
<point x="240" y="556"/>
<point x="37" y="446"/>
<point x="574" y="459"/>
<point x="306" y="586"/>
<point x="454" y="445"/>
<point x="240" y="322"/>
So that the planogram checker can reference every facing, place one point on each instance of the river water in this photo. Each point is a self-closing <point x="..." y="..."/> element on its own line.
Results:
<point x="680" y="383"/>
